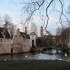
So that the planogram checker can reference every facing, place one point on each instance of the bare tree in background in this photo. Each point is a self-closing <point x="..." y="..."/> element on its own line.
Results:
<point x="1" y="21"/>
<point x="10" y="26"/>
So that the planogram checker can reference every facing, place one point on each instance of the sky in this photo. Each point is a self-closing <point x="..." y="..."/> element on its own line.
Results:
<point x="13" y="9"/>
<point x="10" y="8"/>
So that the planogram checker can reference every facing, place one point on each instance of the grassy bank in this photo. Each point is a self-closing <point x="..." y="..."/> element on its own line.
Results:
<point x="34" y="65"/>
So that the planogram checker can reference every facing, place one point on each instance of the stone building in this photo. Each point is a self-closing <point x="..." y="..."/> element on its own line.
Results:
<point x="21" y="42"/>
<point x="5" y="40"/>
<point x="45" y="40"/>
<point x="40" y="41"/>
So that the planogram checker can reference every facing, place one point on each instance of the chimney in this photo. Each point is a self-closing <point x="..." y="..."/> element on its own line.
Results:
<point x="41" y="31"/>
<point x="26" y="30"/>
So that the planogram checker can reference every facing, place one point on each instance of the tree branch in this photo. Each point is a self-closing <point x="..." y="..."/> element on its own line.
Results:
<point x="39" y="5"/>
<point x="47" y="14"/>
<point x="61" y="13"/>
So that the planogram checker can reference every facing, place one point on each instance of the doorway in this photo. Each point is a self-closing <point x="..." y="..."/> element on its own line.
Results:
<point x="33" y="43"/>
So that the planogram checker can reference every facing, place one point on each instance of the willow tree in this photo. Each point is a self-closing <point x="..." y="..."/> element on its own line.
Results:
<point x="33" y="6"/>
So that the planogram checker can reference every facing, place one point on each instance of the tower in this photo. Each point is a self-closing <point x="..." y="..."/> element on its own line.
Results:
<point x="41" y="31"/>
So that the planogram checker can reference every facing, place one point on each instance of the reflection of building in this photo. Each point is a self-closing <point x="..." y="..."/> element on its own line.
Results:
<point x="21" y="42"/>
<point x="5" y="40"/>
<point x="33" y="37"/>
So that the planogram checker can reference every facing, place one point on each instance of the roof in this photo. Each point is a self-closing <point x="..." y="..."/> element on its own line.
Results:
<point x="5" y="32"/>
<point x="33" y="33"/>
<point x="24" y="35"/>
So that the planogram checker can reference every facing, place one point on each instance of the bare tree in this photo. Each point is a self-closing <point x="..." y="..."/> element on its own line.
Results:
<point x="10" y="26"/>
<point x="33" y="5"/>
<point x="1" y="21"/>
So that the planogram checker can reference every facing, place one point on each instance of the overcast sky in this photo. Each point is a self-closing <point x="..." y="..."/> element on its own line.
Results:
<point x="13" y="9"/>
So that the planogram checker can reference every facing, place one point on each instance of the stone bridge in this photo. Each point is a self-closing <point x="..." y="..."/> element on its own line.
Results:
<point x="39" y="49"/>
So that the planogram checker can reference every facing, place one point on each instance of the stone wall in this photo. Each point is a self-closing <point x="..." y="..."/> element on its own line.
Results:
<point x="5" y="46"/>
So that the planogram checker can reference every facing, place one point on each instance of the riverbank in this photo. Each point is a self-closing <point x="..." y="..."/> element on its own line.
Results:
<point x="34" y="65"/>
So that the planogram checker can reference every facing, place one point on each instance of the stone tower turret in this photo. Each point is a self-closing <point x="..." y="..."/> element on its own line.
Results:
<point x="41" y="31"/>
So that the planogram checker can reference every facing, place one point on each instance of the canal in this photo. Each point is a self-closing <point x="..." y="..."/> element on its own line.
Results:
<point x="36" y="56"/>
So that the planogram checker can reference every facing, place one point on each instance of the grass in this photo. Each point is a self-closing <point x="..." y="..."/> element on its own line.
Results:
<point x="34" y="65"/>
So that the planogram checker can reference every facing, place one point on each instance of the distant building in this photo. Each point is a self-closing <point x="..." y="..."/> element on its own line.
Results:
<point x="41" y="41"/>
<point x="21" y="42"/>
<point x="5" y="40"/>
<point x="50" y="40"/>
<point x="45" y="40"/>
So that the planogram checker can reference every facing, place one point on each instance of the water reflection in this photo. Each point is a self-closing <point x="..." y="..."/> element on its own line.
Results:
<point x="36" y="56"/>
<point x="42" y="56"/>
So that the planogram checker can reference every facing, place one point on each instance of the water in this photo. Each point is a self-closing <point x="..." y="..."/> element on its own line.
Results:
<point x="36" y="56"/>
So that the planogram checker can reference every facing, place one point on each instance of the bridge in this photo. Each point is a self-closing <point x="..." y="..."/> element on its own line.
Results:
<point x="41" y="49"/>
<point x="38" y="49"/>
